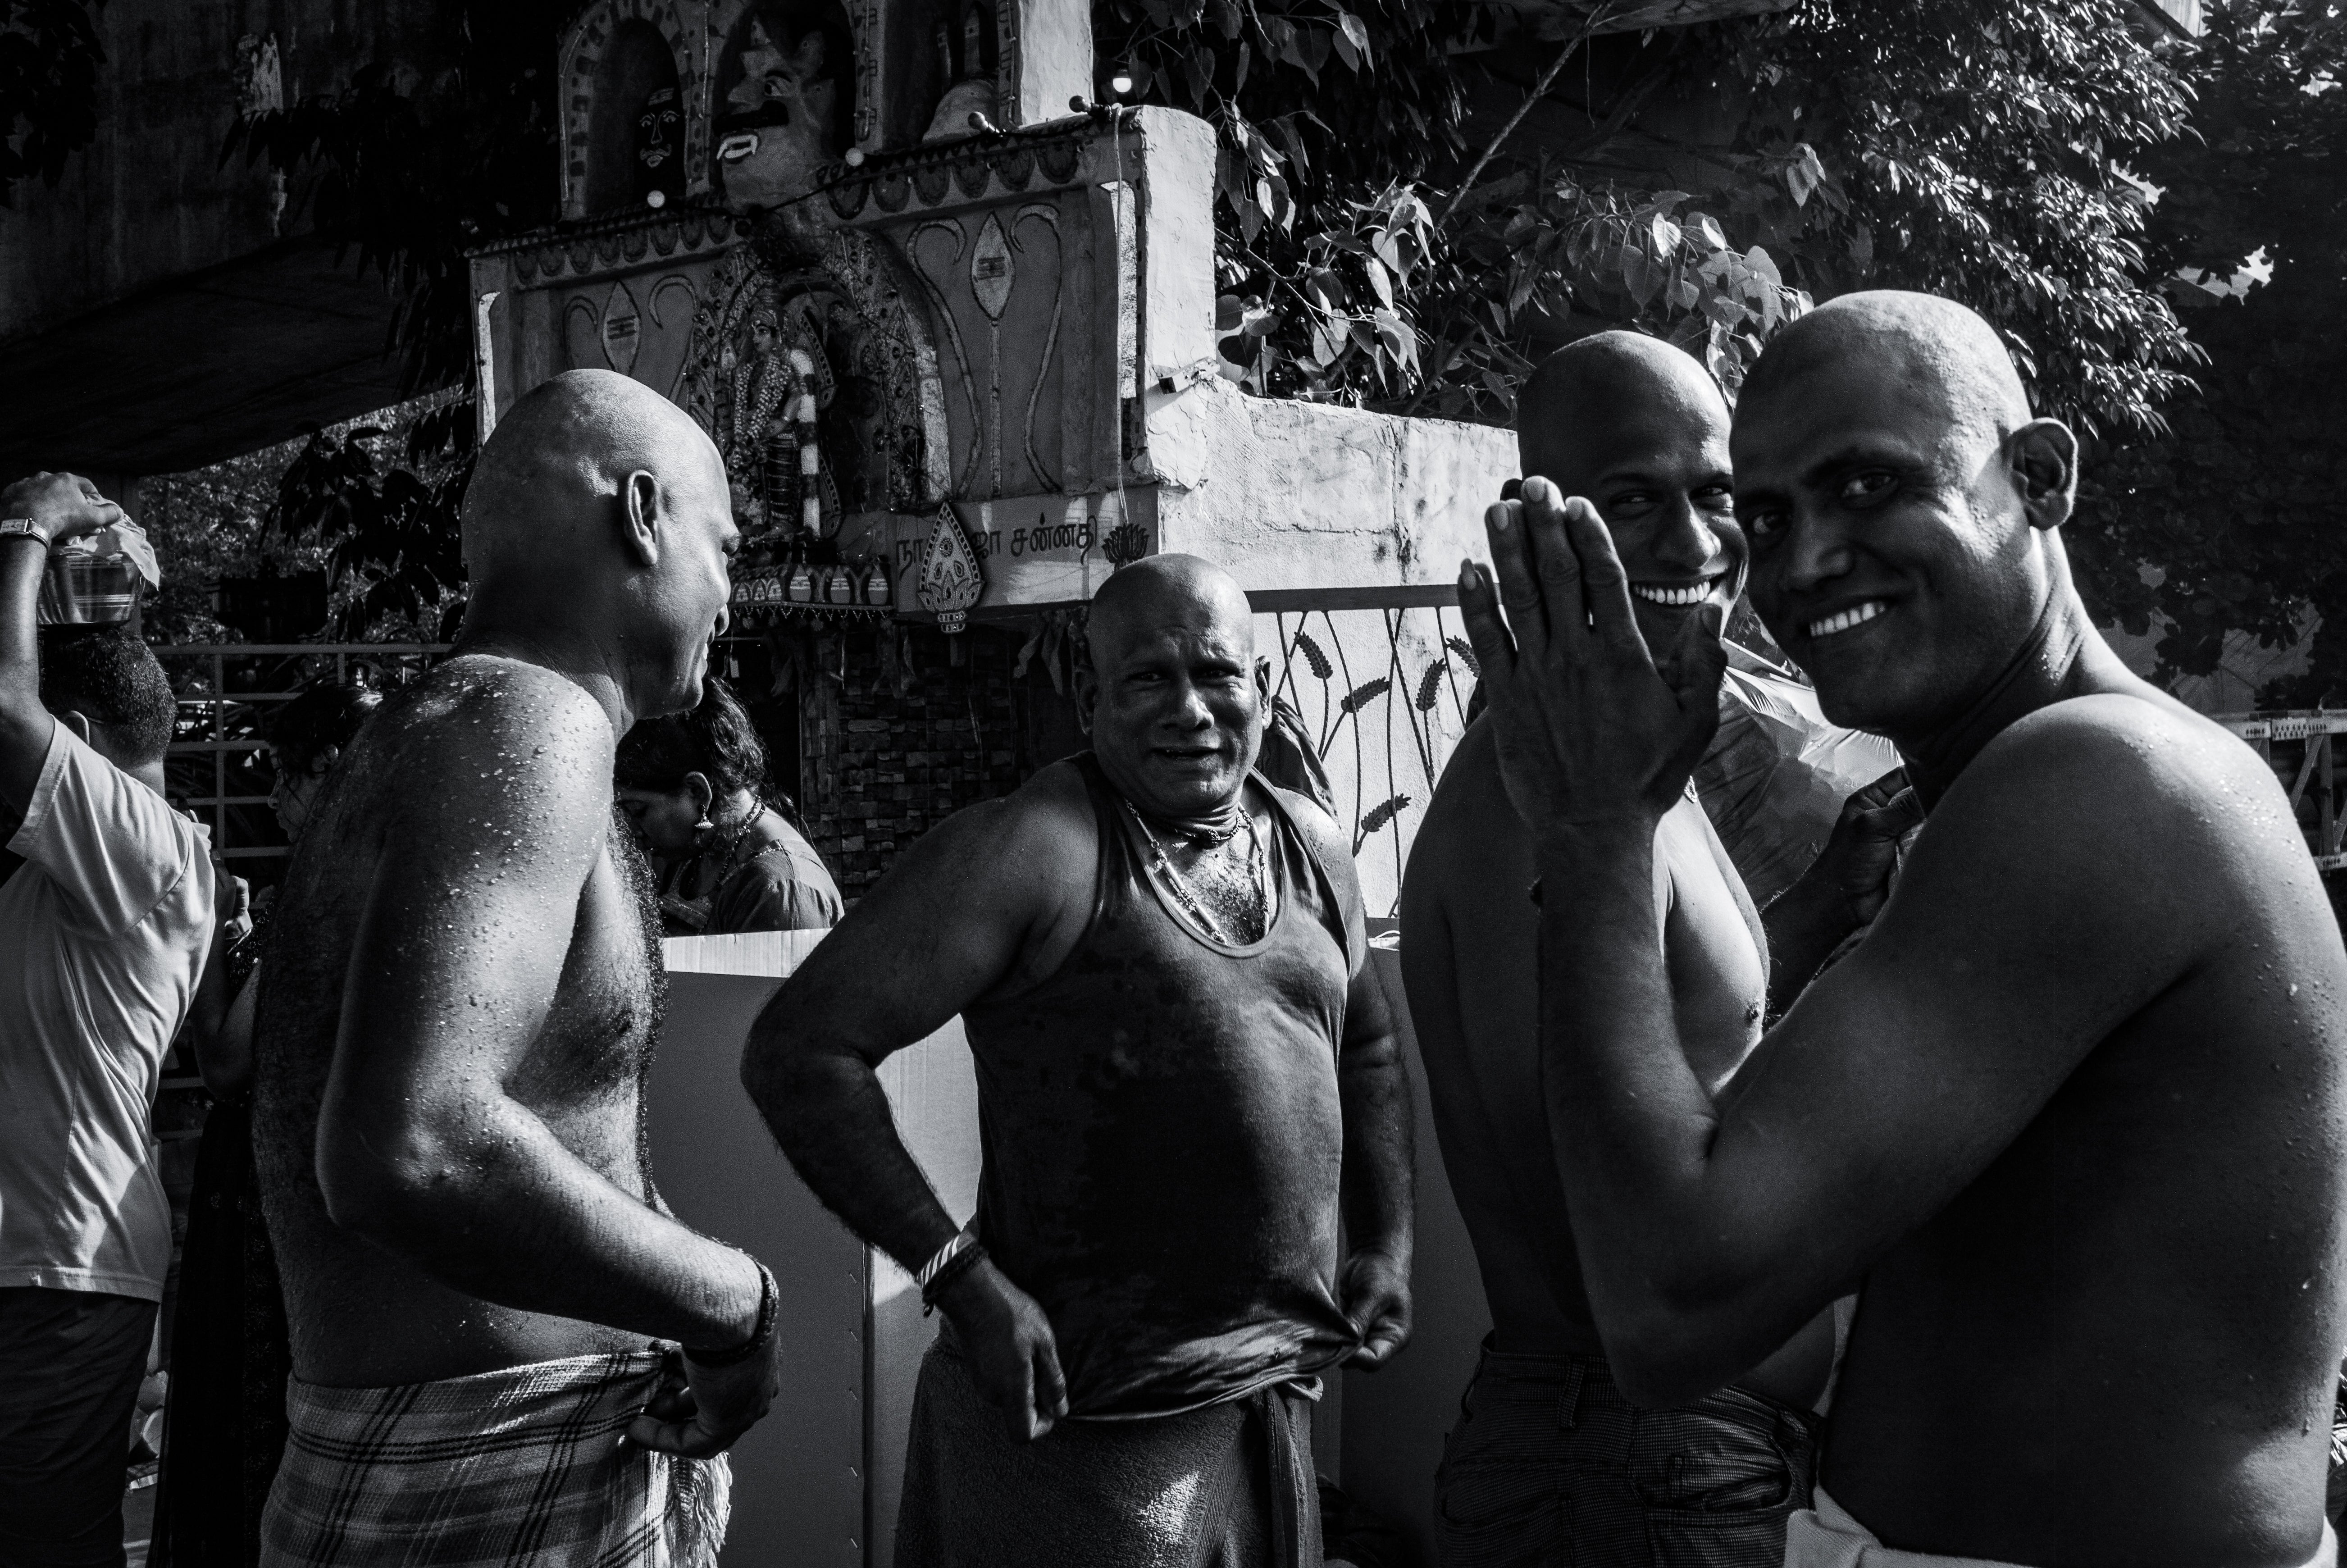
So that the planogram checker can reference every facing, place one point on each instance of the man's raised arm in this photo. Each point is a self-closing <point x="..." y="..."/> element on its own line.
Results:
<point x="35" y="513"/>
<point x="421" y="1146"/>
<point x="1708" y="1234"/>
<point x="950" y="923"/>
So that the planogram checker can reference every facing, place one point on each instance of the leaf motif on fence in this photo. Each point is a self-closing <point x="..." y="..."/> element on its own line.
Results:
<point x="1314" y="657"/>
<point x="1384" y="812"/>
<point x="1369" y="692"/>
<point x="1429" y="685"/>
<point x="1466" y="652"/>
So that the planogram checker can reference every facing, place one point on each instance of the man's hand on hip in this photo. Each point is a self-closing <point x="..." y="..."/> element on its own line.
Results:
<point x="701" y="1410"/>
<point x="1011" y="1350"/>
<point x="67" y="505"/>
<point x="1375" y="1287"/>
<point x="699" y="1413"/>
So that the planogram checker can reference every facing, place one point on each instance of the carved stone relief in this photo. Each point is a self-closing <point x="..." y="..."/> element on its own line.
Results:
<point x="640" y="326"/>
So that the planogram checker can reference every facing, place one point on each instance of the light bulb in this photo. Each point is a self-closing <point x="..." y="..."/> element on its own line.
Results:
<point x="1120" y="84"/>
<point x="655" y="199"/>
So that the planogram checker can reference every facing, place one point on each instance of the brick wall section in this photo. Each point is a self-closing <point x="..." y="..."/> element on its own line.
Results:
<point x="879" y="767"/>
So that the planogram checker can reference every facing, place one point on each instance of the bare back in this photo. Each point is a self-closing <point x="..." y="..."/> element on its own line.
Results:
<point x="361" y="1315"/>
<point x="1471" y="935"/>
<point x="2118" y="1343"/>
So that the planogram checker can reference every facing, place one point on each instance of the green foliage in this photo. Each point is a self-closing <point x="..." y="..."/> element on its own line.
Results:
<point x="1374" y="254"/>
<point x="2237" y="523"/>
<point x="396" y="553"/>
<point x="411" y="170"/>
<point x="1983" y="149"/>
<point x="49" y="57"/>
<point x="1328" y="112"/>
<point x="415" y="169"/>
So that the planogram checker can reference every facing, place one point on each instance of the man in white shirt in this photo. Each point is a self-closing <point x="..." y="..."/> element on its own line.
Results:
<point x="104" y="932"/>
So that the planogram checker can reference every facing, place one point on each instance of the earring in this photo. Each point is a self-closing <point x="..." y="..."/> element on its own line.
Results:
<point x="704" y="824"/>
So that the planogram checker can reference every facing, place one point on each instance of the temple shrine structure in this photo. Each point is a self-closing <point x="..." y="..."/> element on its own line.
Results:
<point x="955" y="336"/>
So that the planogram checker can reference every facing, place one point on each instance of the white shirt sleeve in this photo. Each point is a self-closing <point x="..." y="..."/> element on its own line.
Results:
<point x="113" y="848"/>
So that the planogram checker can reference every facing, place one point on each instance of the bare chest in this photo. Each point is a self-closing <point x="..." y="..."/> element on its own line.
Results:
<point x="1717" y="965"/>
<point x="601" y="1030"/>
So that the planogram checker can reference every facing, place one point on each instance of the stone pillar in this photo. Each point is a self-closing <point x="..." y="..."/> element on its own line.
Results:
<point x="1047" y="59"/>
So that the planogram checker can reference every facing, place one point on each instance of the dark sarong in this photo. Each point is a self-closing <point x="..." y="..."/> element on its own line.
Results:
<point x="70" y="1366"/>
<point x="1550" y="1465"/>
<point x="1229" y="1486"/>
<point x="225" y="1427"/>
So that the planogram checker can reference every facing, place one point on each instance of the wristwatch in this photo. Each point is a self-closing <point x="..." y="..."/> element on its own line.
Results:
<point x="24" y="528"/>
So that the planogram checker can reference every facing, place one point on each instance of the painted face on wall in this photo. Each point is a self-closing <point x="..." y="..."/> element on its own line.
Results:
<point x="659" y="144"/>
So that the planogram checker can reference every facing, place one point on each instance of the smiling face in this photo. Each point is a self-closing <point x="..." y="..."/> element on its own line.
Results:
<point x="1888" y="506"/>
<point x="1638" y="428"/>
<point x="1176" y="697"/>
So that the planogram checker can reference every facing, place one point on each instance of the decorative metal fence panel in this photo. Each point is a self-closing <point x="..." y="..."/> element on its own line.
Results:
<point x="1381" y="679"/>
<point x="227" y="692"/>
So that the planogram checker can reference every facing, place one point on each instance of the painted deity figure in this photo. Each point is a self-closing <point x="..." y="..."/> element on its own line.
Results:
<point x="780" y="122"/>
<point x="774" y="461"/>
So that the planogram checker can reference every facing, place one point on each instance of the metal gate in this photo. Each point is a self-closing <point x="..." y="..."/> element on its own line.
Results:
<point x="227" y="692"/>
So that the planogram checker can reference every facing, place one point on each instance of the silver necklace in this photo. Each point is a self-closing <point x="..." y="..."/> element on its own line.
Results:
<point x="1180" y="888"/>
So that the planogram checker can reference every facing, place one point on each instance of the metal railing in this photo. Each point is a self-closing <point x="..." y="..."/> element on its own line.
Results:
<point x="1380" y="678"/>
<point x="226" y="692"/>
<point x="2321" y="813"/>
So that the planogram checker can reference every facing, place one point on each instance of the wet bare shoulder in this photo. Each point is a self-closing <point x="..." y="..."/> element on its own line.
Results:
<point x="494" y="745"/>
<point x="2172" y="791"/>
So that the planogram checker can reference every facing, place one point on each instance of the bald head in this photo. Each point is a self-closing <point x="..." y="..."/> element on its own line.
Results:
<point x="1939" y="351"/>
<point x="567" y="444"/>
<point x="1638" y="428"/>
<point x="599" y="520"/>
<point x="1160" y="591"/>
<point x="1175" y="696"/>
<point x="1592" y="398"/>
<point x="1902" y="505"/>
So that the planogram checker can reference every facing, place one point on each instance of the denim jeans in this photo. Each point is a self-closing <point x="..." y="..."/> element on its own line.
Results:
<point x="1550" y="1467"/>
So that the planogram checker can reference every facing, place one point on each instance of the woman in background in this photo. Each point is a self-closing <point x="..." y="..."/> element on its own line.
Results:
<point x="696" y="788"/>
<point x="224" y="1427"/>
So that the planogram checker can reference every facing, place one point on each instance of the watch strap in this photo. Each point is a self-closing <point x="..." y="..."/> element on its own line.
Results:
<point x="24" y="527"/>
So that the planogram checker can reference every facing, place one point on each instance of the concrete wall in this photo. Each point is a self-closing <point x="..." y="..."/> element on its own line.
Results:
<point x="1300" y="495"/>
<point x="147" y="200"/>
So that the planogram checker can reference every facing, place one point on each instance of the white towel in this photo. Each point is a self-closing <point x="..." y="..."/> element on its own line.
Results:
<point x="1823" y="1536"/>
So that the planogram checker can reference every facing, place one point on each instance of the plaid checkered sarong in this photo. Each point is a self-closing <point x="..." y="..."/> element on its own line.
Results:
<point x="517" y="1469"/>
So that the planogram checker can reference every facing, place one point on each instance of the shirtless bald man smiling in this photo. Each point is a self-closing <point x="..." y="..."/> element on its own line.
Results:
<point x="1638" y="426"/>
<point x="2073" y="1110"/>
<point x="457" y="1017"/>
